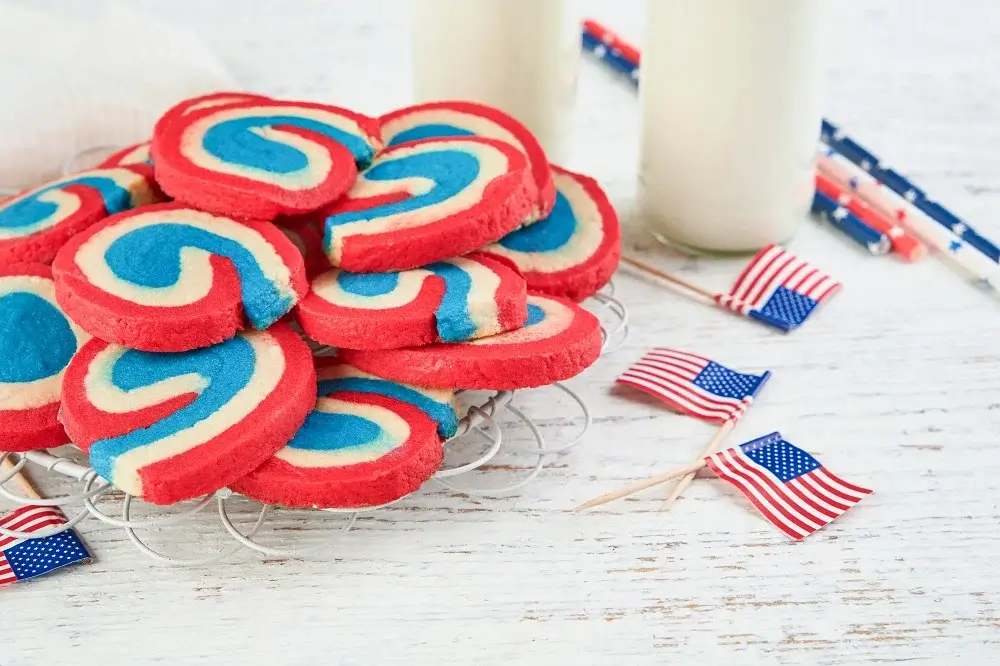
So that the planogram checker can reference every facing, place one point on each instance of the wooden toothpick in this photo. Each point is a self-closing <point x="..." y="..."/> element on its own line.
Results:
<point x="642" y="485"/>
<point x="671" y="278"/>
<point x="713" y="446"/>
<point x="27" y="489"/>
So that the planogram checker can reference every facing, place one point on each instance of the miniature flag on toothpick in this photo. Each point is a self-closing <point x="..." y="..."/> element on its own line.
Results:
<point x="786" y="484"/>
<point x="779" y="289"/>
<point x="694" y="384"/>
<point x="21" y="559"/>
<point x="698" y="387"/>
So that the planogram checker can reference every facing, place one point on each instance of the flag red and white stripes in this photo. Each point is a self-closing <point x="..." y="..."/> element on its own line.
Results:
<point x="771" y="268"/>
<point x="798" y="505"/>
<point x="694" y="384"/>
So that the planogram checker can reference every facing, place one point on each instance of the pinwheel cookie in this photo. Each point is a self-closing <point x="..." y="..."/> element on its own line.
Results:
<point x="171" y="278"/>
<point x="575" y="250"/>
<point x="425" y="201"/>
<point x="367" y="441"/>
<point x="172" y="426"/>
<point x="261" y="158"/>
<point x="459" y="299"/>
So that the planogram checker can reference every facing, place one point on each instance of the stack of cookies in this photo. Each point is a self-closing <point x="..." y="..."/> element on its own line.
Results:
<point x="156" y="310"/>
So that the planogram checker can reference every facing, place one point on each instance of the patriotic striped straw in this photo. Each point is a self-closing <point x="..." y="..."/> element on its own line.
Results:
<point x="853" y="227"/>
<point x="610" y="54"/>
<point x="624" y="58"/>
<point x="907" y="246"/>
<point x="860" y="156"/>
<point x="894" y="206"/>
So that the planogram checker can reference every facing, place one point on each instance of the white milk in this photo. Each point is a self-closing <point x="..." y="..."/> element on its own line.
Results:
<point x="518" y="55"/>
<point x="731" y="97"/>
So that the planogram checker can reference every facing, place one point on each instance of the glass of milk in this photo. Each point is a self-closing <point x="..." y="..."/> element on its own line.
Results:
<point x="731" y="108"/>
<point x="520" y="56"/>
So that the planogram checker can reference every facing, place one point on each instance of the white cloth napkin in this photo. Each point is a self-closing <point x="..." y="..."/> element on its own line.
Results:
<point x="69" y="84"/>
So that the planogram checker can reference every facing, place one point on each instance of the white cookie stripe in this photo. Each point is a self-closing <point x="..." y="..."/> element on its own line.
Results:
<point x="483" y="308"/>
<point x="196" y="275"/>
<point x="492" y="164"/>
<point x="319" y="162"/>
<point x="557" y="319"/>
<point x="269" y="367"/>
<point x="393" y="431"/>
<point x="477" y="125"/>
<point x="583" y="243"/>
<point x="105" y="396"/>
<point x="327" y="287"/>
<point x="40" y="392"/>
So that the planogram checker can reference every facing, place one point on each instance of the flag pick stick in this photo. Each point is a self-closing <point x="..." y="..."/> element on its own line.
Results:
<point x="671" y="278"/>
<point x="720" y="438"/>
<point x="641" y="485"/>
<point x="27" y="489"/>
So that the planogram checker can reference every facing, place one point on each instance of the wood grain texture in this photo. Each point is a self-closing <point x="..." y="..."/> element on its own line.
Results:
<point x="895" y="385"/>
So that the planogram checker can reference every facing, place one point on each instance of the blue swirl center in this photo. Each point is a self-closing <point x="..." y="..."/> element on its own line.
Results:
<point x="450" y="170"/>
<point x="150" y="257"/>
<point x="442" y="414"/>
<point x="428" y="131"/>
<point x="548" y="235"/>
<point x="324" y="431"/>
<point x="238" y="141"/>
<point x="36" y="340"/>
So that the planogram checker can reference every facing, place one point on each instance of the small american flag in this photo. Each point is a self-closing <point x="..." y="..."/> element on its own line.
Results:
<point x="694" y="384"/>
<point x="778" y="289"/>
<point x="786" y="484"/>
<point x="21" y="559"/>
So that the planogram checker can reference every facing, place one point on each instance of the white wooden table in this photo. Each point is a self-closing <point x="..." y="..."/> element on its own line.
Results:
<point x="896" y="385"/>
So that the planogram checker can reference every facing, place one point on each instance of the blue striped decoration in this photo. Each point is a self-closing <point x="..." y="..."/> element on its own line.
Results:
<point x="611" y="57"/>
<point x="863" y="158"/>
<point x="871" y="239"/>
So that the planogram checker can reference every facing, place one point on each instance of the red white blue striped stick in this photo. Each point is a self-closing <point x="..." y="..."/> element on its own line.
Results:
<point x="862" y="157"/>
<point x="906" y="245"/>
<point x="839" y="217"/>
<point x="952" y="247"/>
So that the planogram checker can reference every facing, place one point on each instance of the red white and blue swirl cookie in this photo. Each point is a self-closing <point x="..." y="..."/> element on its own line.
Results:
<point x="36" y="223"/>
<point x="262" y="158"/>
<point x="137" y="153"/>
<point x="367" y="441"/>
<point x="170" y="427"/>
<point x="309" y="243"/>
<point x="575" y="250"/>
<point x="443" y="119"/>
<point x="558" y="341"/>
<point x="171" y="278"/>
<point x="459" y="299"/>
<point x="425" y="201"/>
<point x="36" y="343"/>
